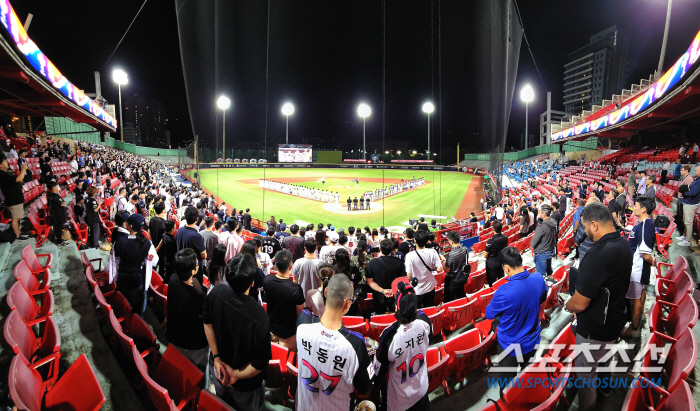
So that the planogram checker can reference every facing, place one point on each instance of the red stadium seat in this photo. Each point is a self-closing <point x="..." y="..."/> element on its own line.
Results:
<point x="440" y="278"/>
<point x="541" y="397"/>
<point x="499" y="283"/>
<point x="105" y="286"/>
<point x="159" y="292"/>
<point x="35" y="352"/>
<point x="134" y="333"/>
<point x="674" y="292"/>
<point x="468" y="352"/>
<point x="41" y="229"/>
<point x="436" y="315"/>
<point x="438" y="367"/>
<point x="174" y="384"/>
<point x="685" y="315"/>
<point x="357" y="324"/>
<point x="562" y="273"/>
<point x="483" y="299"/>
<point x="33" y="263"/>
<point x="680" y="399"/>
<point x="475" y="282"/>
<point x="458" y="313"/>
<point x="20" y="300"/>
<point x="566" y="341"/>
<point x="78" y="388"/>
<point x="210" y="402"/>
<point x="277" y="367"/>
<point x="378" y="323"/>
<point x="81" y="231"/>
<point x="29" y="281"/>
<point x="663" y="240"/>
<point x="98" y="272"/>
<point x="479" y="247"/>
<point x="673" y="274"/>
<point x="676" y="366"/>
<point x="484" y="327"/>
<point x="114" y="301"/>
<point x="439" y="295"/>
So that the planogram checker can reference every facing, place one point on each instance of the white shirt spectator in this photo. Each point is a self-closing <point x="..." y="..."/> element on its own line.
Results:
<point x="415" y="267"/>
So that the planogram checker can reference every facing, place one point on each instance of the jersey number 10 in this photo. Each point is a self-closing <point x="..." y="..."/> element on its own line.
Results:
<point x="411" y="366"/>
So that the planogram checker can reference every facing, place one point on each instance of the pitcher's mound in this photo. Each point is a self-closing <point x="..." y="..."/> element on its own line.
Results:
<point x="343" y="208"/>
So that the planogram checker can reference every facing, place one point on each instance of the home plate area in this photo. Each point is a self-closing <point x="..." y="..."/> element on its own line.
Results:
<point x="343" y="208"/>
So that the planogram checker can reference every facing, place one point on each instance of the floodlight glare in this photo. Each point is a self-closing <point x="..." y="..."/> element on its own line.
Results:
<point x="223" y="102"/>
<point x="288" y="109"/>
<point x="120" y="77"/>
<point x="363" y="110"/>
<point x="428" y="107"/>
<point x="527" y="94"/>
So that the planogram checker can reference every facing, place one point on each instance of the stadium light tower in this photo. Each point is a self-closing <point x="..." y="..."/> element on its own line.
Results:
<point x="287" y="110"/>
<point x="223" y="102"/>
<point x="120" y="77"/>
<point x="527" y="94"/>
<point x="364" y="111"/>
<point x="428" y="108"/>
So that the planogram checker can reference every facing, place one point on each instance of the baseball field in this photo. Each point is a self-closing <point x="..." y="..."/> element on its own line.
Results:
<point x="444" y="195"/>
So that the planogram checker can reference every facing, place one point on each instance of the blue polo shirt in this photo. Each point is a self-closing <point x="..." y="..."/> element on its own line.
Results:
<point x="518" y="303"/>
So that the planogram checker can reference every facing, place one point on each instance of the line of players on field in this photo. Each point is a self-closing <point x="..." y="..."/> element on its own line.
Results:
<point x="301" y="191"/>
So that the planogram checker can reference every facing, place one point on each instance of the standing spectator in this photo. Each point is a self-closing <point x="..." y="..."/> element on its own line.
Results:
<point x="641" y="183"/>
<point x="664" y="171"/>
<point x="294" y="243"/>
<point x="92" y="217"/>
<point x="210" y="238"/>
<point x="526" y="220"/>
<point x="562" y="202"/>
<point x="230" y="239"/>
<point x="133" y="253"/>
<point x="544" y="242"/>
<point x="651" y="189"/>
<point x="599" y="300"/>
<point x="11" y="187"/>
<point x="420" y="264"/>
<point x="79" y="210"/>
<point x="326" y="347"/>
<point x="614" y="208"/>
<point x="156" y="228"/>
<point x="641" y="241"/>
<point x="316" y="298"/>
<point x="687" y="179"/>
<point x="167" y="246"/>
<point x="327" y="253"/>
<point x="57" y="212"/>
<point x="381" y="272"/>
<point x="408" y="244"/>
<point x="285" y="300"/>
<point x="422" y="225"/>
<point x="185" y="301"/>
<point x="401" y="342"/>
<point x="270" y="244"/>
<point x="305" y="270"/>
<point x="492" y="253"/>
<point x="517" y="303"/>
<point x="216" y="271"/>
<point x="247" y="219"/>
<point x="456" y="278"/>
<point x="691" y="200"/>
<point x="677" y="169"/>
<point x="557" y="216"/>
<point x="238" y="332"/>
<point x="188" y="237"/>
<point x="262" y="257"/>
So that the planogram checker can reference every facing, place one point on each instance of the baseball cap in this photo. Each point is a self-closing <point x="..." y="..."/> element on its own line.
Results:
<point x="283" y="226"/>
<point x="135" y="221"/>
<point x="406" y="298"/>
<point x="422" y="219"/>
<point x="332" y="228"/>
<point x="333" y="236"/>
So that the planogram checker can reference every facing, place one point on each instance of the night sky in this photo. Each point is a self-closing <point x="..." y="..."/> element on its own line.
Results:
<point x="311" y="49"/>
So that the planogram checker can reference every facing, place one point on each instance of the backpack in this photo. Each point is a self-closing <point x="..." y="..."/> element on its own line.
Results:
<point x="662" y="221"/>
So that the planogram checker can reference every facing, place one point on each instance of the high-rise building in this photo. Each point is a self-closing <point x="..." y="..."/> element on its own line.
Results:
<point x="148" y="116"/>
<point x="132" y="134"/>
<point x="596" y="71"/>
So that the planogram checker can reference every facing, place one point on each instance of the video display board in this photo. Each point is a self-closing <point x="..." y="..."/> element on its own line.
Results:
<point x="294" y="153"/>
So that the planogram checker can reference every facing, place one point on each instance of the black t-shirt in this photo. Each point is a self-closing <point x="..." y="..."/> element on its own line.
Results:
<point x="384" y="270"/>
<point x="295" y="245"/>
<point x="92" y="215"/>
<point x="156" y="225"/>
<point x="131" y="260"/>
<point x="423" y="226"/>
<point x="283" y="296"/>
<point x="604" y="276"/>
<point x="57" y="210"/>
<point x="494" y="246"/>
<point x="242" y="330"/>
<point x="169" y="249"/>
<point x="271" y="246"/>
<point x="614" y="207"/>
<point x="185" y="328"/>
<point x="11" y="189"/>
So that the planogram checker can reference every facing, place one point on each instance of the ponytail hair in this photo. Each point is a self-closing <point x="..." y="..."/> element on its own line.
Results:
<point x="325" y="273"/>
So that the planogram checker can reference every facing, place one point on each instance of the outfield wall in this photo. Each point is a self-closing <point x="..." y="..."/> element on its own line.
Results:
<point x="319" y="165"/>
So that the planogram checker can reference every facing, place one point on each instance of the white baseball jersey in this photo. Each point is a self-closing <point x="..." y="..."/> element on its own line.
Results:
<point x="402" y="353"/>
<point x="332" y="364"/>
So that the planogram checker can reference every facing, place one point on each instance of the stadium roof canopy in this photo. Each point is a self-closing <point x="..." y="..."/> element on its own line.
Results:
<point x="672" y="101"/>
<point x="31" y="85"/>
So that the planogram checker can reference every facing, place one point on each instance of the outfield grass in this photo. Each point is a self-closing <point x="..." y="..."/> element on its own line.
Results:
<point x="441" y="195"/>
